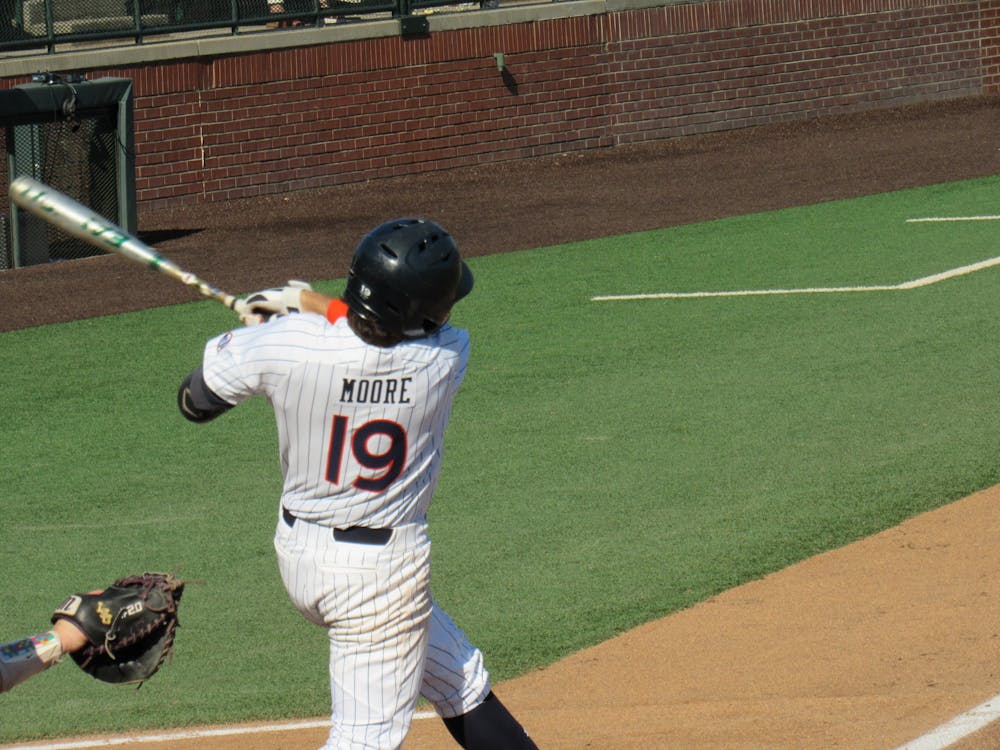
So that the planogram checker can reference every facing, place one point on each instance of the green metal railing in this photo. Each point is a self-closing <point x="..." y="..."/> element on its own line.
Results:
<point x="44" y="24"/>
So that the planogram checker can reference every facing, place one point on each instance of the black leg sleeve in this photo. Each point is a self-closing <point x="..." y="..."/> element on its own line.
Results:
<point x="489" y="726"/>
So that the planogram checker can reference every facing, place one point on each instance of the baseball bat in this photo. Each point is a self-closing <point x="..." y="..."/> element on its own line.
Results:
<point x="61" y="211"/>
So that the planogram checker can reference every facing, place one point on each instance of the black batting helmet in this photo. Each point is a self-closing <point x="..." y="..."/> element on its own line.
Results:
<point x="406" y="275"/>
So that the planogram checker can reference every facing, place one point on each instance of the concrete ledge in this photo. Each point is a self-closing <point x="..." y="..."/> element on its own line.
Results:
<point x="614" y="6"/>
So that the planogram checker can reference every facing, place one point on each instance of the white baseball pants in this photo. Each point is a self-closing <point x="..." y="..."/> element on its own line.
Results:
<point x="389" y="641"/>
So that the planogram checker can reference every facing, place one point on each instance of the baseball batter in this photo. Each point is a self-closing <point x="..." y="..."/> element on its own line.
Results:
<point x="362" y="390"/>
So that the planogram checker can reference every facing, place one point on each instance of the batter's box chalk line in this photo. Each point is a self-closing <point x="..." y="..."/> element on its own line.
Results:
<point x="957" y="728"/>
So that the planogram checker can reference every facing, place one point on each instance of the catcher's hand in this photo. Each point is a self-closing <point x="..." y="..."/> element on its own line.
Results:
<point x="130" y="626"/>
<point x="260" y="306"/>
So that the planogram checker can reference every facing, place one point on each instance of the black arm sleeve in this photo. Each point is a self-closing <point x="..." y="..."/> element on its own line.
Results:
<point x="196" y="400"/>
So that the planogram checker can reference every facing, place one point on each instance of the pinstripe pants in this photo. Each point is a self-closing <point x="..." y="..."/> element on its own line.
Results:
<point x="389" y="640"/>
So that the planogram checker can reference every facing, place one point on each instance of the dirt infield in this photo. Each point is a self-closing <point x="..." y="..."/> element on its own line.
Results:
<point x="867" y="646"/>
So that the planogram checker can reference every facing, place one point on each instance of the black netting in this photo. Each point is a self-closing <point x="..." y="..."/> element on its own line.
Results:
<point x="75" y="156"/>
<point x="65" y="135"/>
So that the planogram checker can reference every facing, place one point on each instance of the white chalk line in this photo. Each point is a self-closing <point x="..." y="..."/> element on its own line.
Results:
<point x="943" y="736"/>
<point x="961" y="726"/>
<point x="953" y="218"/>
<point x="914" y="284"/>
<point x="187" y="734"/>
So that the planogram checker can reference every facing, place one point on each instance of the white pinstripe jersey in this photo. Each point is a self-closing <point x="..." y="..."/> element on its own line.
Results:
<point x="360" y="427"/>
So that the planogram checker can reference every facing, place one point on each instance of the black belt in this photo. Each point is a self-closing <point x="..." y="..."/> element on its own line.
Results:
<point x="353" y="534"/>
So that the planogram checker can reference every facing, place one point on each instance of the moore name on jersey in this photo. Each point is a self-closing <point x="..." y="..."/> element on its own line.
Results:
<point x="375" y="391"/>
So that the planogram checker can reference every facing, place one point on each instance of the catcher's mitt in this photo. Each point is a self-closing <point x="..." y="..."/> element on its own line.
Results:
<point x="130" y="626"/>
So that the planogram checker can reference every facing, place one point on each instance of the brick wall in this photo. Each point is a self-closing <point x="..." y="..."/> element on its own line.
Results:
<point x="991" y="46"/>
<point x="288" y="119"/>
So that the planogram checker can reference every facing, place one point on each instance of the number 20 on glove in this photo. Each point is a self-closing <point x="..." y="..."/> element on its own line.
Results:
<point x="130" y="626"/>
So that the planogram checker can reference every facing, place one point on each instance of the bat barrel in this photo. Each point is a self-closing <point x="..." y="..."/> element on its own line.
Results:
<point x="77" y="220"/>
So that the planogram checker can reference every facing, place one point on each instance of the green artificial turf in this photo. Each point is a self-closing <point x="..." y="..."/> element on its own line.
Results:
<point x="607" y="462"/>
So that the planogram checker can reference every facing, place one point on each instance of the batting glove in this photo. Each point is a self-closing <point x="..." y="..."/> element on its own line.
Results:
<point x="261" y="306"/>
